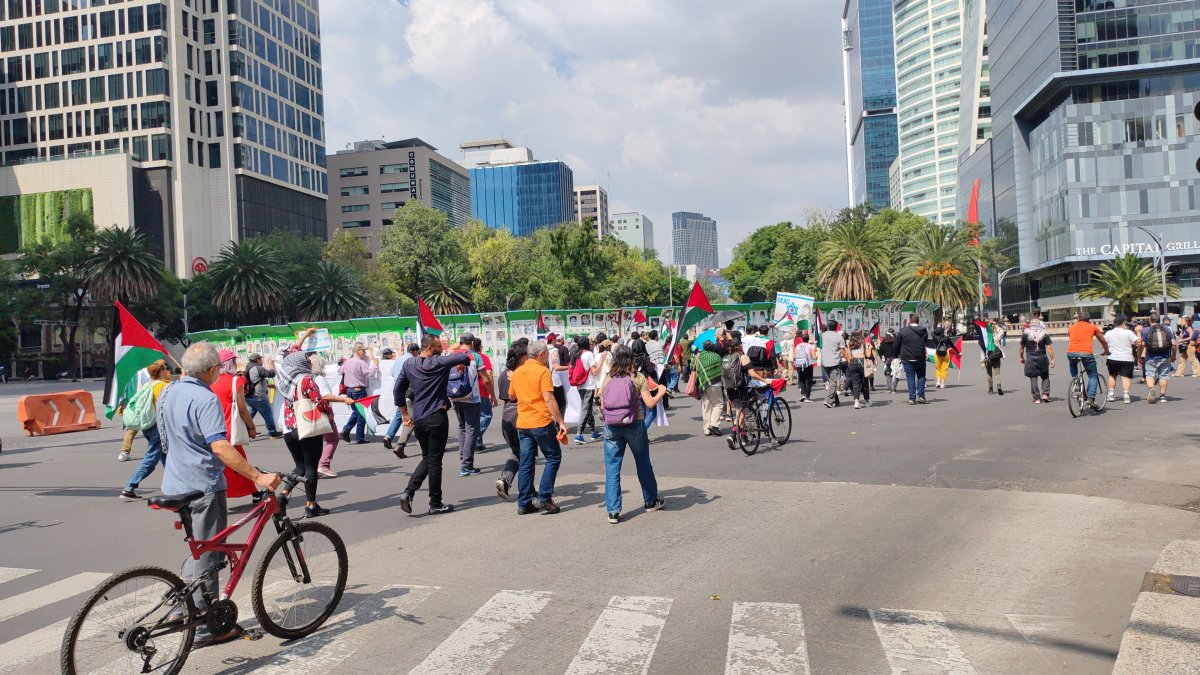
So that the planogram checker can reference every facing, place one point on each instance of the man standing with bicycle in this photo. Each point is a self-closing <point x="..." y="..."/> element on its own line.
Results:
<point x="192" y="427"/>
<point x="1079" y="351"/>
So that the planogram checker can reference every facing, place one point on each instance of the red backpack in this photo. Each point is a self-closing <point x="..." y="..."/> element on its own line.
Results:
<point x="579" y="372"/>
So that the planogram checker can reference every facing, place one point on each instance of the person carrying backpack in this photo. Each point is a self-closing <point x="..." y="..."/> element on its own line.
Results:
<point x="139" y="412"/>
<point x="1159" y="348"/>
<point x="258" y="397"/>
<point x="622" y="400"/>
<point x="463" y="391"/>
<point x="942" y="346"/>
<point x="585" y="368"/>
<point x="707" y="366"/>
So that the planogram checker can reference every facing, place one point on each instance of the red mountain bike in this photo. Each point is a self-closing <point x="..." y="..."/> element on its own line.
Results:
<point x="143" y="620"/>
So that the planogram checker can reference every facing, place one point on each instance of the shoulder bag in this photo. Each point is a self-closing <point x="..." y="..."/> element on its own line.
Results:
<point x="310" y="420"/>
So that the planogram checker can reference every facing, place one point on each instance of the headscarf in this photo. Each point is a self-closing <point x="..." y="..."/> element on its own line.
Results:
<point x="289" y="371"/>
<point x="1036" y="331"/>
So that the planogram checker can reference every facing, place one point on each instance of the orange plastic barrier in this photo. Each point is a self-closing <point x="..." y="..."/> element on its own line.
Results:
<point x="59" y="413"/>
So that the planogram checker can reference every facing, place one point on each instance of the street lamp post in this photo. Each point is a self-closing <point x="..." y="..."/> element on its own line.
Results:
<point x="979" y="287"/>
<point x="1162" y="264"/>
<point x="1000" y="288"/>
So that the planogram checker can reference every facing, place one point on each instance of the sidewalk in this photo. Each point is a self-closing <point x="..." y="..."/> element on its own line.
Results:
<point x="1163" y="635"/>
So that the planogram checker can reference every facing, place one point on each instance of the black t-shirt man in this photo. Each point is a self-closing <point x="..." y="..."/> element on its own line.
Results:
<point x="913" y="339"/>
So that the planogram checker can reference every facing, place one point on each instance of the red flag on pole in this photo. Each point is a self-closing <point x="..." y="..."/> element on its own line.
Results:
<point x="427" y="323"/>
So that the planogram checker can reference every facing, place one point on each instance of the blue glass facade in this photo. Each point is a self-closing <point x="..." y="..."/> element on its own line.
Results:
<point x="870" y="71"/>
<point x="523" y="198"/>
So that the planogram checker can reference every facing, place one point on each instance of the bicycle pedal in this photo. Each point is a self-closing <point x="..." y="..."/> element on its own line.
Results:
<point x="252" y="634"/>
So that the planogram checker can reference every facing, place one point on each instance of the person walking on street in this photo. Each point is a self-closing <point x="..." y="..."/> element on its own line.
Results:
<point x="330" y="440"/>
<point x="942" y="346"/>
<point x="259" y="400"/>
<point x="356" y="373"/>
<point x="889" y="352"/>
<point x="804" y="358"/>
<point x="990" y="361"/>
<point x="1158" y="347"/>
<point x="194" y="437"/>
<point x="625" y="389"/>
<point x="487" y="392"/>
<point x="160" y="375"/>
<point x="1037" y="356"/>
<point x="832" y="344"/>
<point x="856" y="352"/>
<point x="914" y="339"/>
<point x="558" y="370"/>
<point x="1122" y="346"/>
<point x="464" y="395"/>
<point x="427" y="375"/>
<point x="143" y="378"/>
<point x="1187" y="339"/>
<point x="297" y="380"/>
<point x="540" y="426"/>
<point x="585" y="370"/>
<point x="707" y="365"/>
<point x="397" y="432"/>
<point x="1079" y="351"/>
<point x="230" y="391"/>
<point x="517" y="355"/>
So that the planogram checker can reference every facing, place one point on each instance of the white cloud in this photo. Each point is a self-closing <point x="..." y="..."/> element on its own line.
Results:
<point x="696" y="105"/>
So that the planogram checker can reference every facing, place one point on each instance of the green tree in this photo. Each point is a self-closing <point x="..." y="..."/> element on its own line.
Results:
<point x="419" y="237"/>
<point x="896" y="229"/>
<point x="1124" y="282"/>
<point x="937" y="266"/>
<point x="63" y="265"/>
<point x="851" y="259"/>
<point x="331" y="293"/>
<point x="446" y="289"/>
<point x="11" y="301"/>
<point x="247" y="280"/>
<point x="297" y="255"/>
<point x="794" y="261"/>
<point x="751" y="259"/>
<point x="123" y="268"/>
<point x="346" y="249"/>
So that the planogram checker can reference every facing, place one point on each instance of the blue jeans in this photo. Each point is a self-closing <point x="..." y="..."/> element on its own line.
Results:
<point x="394" y="427"/>
<point x="154" y="455"/>
<point x="263" y="407"/>
<point x="485" y="419"/>
<point x="650" y="414"/>
<point x="671" y="377"/>
<point x="531" y="441"/>
<point x="1089" y="367"/>
<point x="357" y="422"/>
<point x="914" y="372"/>
<point x="616" y="437"/>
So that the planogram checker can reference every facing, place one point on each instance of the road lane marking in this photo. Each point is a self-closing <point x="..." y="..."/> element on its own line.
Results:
<point x="1037" y="627"/>
<point x="917" y="642"/>
<point x="766" y="638"/>
<point x="49" y="594"/>
<point x="624" y="638"/>
<point x="10" y="573"/>
<point x="483" y="639"/>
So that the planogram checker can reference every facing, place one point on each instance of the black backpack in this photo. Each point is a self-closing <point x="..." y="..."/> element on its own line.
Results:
<point x="732" y="375"/>
<point x="943" y="346"/>
<point x="1158" y="338"/>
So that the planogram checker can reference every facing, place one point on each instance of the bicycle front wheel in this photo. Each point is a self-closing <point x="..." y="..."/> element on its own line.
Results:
<point x="1076" y="395"/>
<point x="1101" y="397"/>
<point x="299" y="580"/>
<point x="119" y="628"/>
<point x="779" y="421"/>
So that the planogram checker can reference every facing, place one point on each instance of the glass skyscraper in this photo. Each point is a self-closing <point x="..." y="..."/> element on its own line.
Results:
<point x="694" y="240"/>
<point x="869" y="69"/>
<point x="1095" y="136"/>
<point x="523" y="198"/>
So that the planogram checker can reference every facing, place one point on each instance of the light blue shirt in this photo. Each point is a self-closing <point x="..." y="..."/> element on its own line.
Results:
<point x="189" y="420"/>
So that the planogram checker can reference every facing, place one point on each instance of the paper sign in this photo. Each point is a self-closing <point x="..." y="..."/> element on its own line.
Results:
<point x="318" y="341"/>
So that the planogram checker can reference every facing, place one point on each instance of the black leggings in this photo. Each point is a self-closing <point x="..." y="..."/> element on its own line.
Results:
<point x="805" y="377"/>
<point x="858" y="381"/>
<point x="306" y="453"/>
<point x="509" y="431"/>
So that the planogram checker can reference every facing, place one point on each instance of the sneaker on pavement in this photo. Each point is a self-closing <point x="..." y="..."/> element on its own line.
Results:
<point x="129" y="495"/>
<point x="387" y="442"/>
<point x="502" y="489"/>
<point x="729" y="441"/>
<point x="912" y="401"/>
<point x="547" y="505"/>
<point x="326" y="473"/>
<point x="527" y="510"/>
<point x="1126" y="398"/>
<point x="921" y="400"/>
<point x="469" y="471"/>
<point x="579" y="440"/>
<point x="597" y="436"/>
<point x="1112" y="396"/>
<point x="440" y="508"/>
<point x="315" y="511"/>
<point x="614" y="518"/>
<point x="122" y="456"/>
<point x="655" y="505"/>
<point x="276" y="434"/>
<point x="1153" y="397"/>
<point x="345" y="436"/>
<point x="857" y="405"/>
<point x="406" y="503"/>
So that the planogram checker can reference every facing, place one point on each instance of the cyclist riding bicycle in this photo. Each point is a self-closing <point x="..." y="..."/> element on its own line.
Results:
<point x="755" y="367"/>
<point x="1079" y="350"/>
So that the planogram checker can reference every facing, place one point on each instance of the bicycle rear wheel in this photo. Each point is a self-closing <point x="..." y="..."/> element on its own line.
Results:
<point x="749" y="435"/>
<point x="285" y="605"/>
<point x="779" y="421"/>
<point x="1076" y="395"/>
<point x="111" y="632"/>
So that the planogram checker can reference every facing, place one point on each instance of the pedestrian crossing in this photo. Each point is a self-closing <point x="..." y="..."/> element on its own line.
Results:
<point x="443" y="630"/>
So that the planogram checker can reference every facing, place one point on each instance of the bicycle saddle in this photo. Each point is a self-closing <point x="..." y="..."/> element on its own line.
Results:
<point x="174" y="502"/>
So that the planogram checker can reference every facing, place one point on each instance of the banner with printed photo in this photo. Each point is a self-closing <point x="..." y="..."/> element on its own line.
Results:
<point x="800" y="307"/>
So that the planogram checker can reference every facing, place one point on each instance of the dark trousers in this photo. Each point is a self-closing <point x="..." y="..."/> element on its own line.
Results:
<point x="586" y="396"/>
<point x="914" y="372"/>
<point x="805" y="378"/>
<point x="431" y="433"/>
<point x="560" y="397"/>
<point x="357" y="422"/>
<point x="508" y="428"/>
<point x="858" y="381"/>
<point x="209" y="517"/>
<point x="306" y="453"/>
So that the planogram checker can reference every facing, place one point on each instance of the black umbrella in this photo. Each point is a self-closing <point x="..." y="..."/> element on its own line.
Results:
<point x="721" y="317"/>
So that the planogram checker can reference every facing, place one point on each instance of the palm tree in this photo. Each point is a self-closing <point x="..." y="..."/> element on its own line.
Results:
<point x="850" y="260"/>
<point x="332" y="293"/>
<point x="1124" y="282"/>
<point x="122" y="268"/>
<point x="937" y="266"/>
<point x="246" y="279"/>
<point x="446" y="289"/>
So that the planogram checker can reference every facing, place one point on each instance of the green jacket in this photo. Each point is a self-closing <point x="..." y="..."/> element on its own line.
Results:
<point x="708" y="368"/>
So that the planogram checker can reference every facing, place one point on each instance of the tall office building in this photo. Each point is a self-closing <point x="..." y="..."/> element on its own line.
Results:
<point x="495" y="151"/>
<point x="523" y="198"/>
<point x="1095" y="135"/>
<point x="374" y="178"/>
<point x="869" y="73"/>
<point x="591" y="201"/>
<point x="694" y="240"/>
<point x="634" y="229"/>
<point x="195" y="122"/>
<point x="928" y="52"/>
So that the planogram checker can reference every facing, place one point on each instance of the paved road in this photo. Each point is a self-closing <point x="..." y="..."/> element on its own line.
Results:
<point x="976" y="534"/>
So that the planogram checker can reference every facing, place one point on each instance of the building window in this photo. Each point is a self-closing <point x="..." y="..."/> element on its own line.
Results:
<point x="393" y="168"/>
<point x="355" y="191"/>
<point x="391" y="206"/>
<point x="353" y="172"/>
<point x="214" y="155"/>
<point x="388" y="188"/>
<point x="356" y="208"/>
<point x="355" y="223"/>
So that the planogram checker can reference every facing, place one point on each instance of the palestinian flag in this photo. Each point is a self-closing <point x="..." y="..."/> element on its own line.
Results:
<point x="639" y="317"/>
<point x="694" y="311"/>
<point x="542" y="329"/>
<point x="787" y="323"/>
<point x="668" y="329"/>
<point x="873" y="334"/>
<point x="986" y="340"/>
<point x="427" y="323"/>
<point x="133" y="348"/>
<point x="955" y="354"/>
<point x="820" y="327"/>
<point x="363" y="407"/>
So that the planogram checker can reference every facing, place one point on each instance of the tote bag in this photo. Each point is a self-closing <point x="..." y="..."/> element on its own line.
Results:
<point x="238" y="433"/>
<point x="310" y="421"/>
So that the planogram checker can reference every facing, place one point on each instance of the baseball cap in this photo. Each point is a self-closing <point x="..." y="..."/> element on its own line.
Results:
<point x="387" y="351"/>
<point x="466" y="338"/>
<point x="550" y="337"/>
<point x="226" y="355"/>
<point x="254" y="356"/>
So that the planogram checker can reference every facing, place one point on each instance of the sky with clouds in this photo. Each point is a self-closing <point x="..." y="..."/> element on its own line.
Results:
<point x="729" y="109"/>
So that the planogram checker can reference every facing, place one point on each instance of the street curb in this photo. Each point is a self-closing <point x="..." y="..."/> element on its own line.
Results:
<point x="1163" y="634"/>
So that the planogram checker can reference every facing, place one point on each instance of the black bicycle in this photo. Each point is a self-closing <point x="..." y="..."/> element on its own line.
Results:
<point x="766" y="415"/>
<point x="1078" y="402"/>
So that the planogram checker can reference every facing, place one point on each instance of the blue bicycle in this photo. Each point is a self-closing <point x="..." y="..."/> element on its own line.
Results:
<point x="766" y="415"/>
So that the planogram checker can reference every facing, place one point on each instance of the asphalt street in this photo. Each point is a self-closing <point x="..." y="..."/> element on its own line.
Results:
<point x="974" y="534"/>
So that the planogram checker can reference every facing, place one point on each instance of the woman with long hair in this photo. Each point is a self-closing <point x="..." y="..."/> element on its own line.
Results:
<point x="804" y="357"/>
<point x="856" y="353"/>
<point x="942" y="346"/>
<point x="623" y="428"/>
<point x="230" y="392"/>
<point x="331" y="439"/>
<point x="643" y="366"/>
<point x="518" y="353"/>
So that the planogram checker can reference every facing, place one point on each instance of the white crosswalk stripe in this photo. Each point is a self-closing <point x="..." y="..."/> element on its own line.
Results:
<point x="485" y="637"/>
<point x="16" y="653"/>
<point x="766" y="638"/>
<point x="917" y="643"/>
<point x="624" y="638"/>
<point x="49" y="594"/>
<point x="10" y="573"/>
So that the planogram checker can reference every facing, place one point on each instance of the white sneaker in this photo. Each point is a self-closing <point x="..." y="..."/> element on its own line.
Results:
<point x="1112" y="396"/>
<point x="1127" y="398"/>
<point x="856" y="405"/>
<point x="123" y="457"/>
